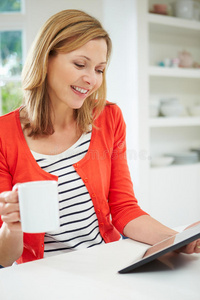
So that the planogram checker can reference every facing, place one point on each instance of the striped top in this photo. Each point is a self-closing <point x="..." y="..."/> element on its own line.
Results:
<point x="78" y="221"/>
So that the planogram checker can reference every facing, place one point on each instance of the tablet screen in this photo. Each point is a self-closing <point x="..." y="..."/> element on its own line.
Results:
<point x="170" y="244"/>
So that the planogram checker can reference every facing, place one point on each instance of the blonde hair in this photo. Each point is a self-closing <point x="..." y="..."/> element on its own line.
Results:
<point x="65" y="31"/>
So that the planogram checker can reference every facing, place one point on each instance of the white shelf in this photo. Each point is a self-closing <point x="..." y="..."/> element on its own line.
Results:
<point x="174" y="122"/>
<point x="174" y="72"/>
<point x="176" y="168"/>
<point x="173" y="22"/>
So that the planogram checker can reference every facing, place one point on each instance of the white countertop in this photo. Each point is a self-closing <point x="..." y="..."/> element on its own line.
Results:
<point x="93" y="274"/>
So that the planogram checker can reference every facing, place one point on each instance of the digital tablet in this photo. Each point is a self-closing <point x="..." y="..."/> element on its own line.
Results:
<point x="166" y="246"/>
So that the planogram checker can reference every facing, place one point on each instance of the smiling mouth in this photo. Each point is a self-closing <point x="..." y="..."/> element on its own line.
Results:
<point x="80" y="90"/>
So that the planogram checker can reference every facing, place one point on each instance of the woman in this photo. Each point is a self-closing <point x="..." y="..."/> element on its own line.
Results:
<point x="67" y="131"/>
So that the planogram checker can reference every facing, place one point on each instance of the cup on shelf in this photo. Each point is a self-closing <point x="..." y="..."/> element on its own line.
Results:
<point x="167" y="62"/>
<point x="187" y="9"/>
<point x="175" y="62"/>
<point x="185" y="59"/>
<point x="160" y="9"/>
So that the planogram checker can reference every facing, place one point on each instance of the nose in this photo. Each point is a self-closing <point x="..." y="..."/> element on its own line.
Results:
<point x="90" y="77"/>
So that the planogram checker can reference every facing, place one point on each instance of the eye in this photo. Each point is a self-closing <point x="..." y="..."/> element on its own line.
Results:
<point x="100" y="71"/>
<point x="79" y="65"/>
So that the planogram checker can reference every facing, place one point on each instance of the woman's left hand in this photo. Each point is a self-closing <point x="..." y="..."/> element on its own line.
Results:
<point x="193" y="247"/>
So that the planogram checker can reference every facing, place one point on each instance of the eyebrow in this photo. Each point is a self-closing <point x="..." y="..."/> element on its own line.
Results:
<point x="101" y="63"/>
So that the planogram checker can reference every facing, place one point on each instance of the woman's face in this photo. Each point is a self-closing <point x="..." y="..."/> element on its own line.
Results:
<point x="73" y="76"/>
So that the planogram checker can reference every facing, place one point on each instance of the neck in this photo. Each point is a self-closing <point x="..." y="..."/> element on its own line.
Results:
<point x="63" y="117"/>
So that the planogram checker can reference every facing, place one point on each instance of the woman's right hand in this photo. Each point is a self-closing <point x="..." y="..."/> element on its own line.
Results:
<point x="11" y="235"/>
<point x="9" y="209"/>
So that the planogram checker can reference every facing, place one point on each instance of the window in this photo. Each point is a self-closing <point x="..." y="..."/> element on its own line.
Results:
<point x="11" y="54"/>
<point x="10" y="6"/>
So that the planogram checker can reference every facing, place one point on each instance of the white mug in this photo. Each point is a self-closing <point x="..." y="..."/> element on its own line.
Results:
<point x="38" y="203"/>
<point x="186" y="9"/>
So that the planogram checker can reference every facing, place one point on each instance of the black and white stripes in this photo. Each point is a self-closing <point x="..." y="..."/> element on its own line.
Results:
<point x="78" y="222"/>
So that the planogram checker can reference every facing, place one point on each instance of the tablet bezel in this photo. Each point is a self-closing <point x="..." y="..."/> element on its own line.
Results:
<point x="192" y="233"/>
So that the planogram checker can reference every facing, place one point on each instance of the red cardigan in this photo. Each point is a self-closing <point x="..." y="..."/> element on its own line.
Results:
<point x="104" y="171"/>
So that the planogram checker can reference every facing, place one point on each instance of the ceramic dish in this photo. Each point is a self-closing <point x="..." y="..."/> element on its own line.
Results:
<point x="161" y="161"/>
<point x="171" y="110"/>
<point x="187" y="157"/>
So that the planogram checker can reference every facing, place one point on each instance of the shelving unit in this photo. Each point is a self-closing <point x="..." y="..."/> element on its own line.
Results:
<point x="173" y="189"/>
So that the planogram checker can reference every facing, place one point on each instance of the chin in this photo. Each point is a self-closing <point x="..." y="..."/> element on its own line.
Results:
<point x="78" y="104"/>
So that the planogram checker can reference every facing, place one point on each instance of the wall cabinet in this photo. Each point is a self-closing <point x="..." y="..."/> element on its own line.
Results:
<point x="173" y="192"/>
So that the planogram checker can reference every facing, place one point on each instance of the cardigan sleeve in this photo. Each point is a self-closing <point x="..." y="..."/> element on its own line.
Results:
<point x="5" y="176"/>
<point x="123" y="204"/>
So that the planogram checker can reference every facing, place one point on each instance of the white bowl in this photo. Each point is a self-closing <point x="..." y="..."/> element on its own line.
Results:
<point x="172" y="110"/>
<point x="162" y="161"/>
<point x="185" y="157"/>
